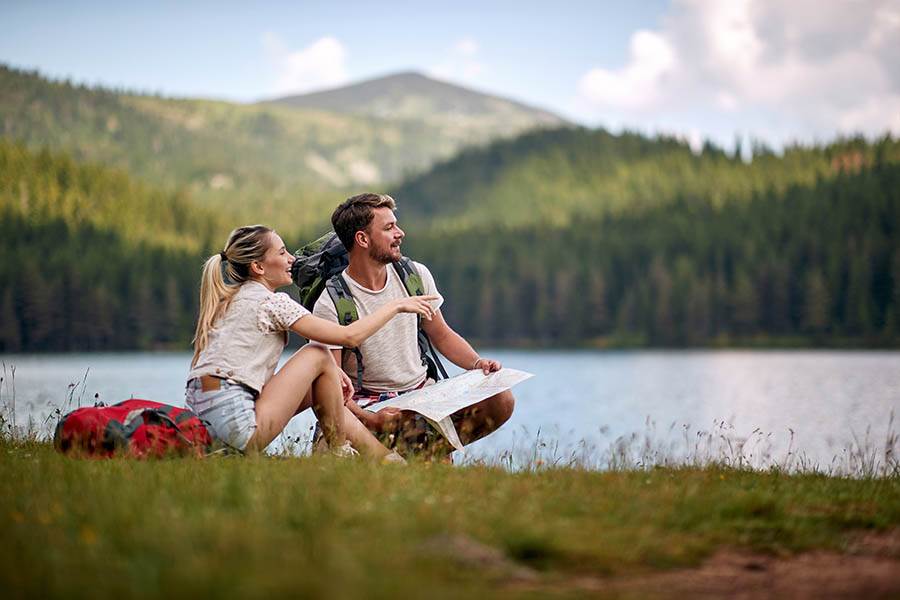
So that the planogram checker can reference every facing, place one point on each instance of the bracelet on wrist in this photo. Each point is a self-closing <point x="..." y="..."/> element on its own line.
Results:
<point x="475" y="364"/>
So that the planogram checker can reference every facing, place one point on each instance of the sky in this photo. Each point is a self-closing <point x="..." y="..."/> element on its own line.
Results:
<point x="775" y="70"/>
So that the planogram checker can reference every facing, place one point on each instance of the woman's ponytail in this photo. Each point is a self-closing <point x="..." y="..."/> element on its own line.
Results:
<point x="245" y="245"/>
<point x="214" y="297"/>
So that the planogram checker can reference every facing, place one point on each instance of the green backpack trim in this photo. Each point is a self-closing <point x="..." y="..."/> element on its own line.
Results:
<point x="344" y="304"/>
<point x="410" y="277"/>
<point x="346" y="310"/>
<point x="315" y="263"/>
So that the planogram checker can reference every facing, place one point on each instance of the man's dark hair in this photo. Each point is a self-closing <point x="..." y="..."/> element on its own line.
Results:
<point x="356" y="213"/>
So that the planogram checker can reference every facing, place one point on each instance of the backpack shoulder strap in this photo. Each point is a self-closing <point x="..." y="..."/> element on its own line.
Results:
<point x="414" y="285"/>
<point x="345" y="307"/>
<point x="344" y="304"/>
<point x="410" y="277"/>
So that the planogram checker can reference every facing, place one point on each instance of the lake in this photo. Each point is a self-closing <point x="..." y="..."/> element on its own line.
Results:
<point x="598" y="408"/>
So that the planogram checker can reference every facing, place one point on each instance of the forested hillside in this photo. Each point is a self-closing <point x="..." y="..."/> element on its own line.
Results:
<point x="94" y="260"/>
<point x="560" y="177"/>
<point x="565" y="237"/>
<point x="780" y="263"/>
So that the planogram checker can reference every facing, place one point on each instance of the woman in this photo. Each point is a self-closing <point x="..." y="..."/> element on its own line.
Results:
<point x="241" y="333"/>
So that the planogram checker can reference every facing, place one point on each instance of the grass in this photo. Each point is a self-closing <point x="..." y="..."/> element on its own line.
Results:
<point x="315" y="526"/>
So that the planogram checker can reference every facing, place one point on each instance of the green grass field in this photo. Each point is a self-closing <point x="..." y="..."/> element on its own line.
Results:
<point x="323" y="527"/>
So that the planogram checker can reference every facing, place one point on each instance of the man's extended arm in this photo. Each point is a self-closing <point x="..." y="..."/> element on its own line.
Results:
<point x="455" y="347"/>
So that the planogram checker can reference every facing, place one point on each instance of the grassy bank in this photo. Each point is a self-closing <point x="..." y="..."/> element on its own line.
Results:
<point x="322" y="527"/>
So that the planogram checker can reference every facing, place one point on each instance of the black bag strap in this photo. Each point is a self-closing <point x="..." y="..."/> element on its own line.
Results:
<point x="414" y="285"/>
<point x="117" y="434"/>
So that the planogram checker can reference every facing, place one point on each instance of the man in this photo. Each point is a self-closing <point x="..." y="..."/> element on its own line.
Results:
<point x="392" y="362"/>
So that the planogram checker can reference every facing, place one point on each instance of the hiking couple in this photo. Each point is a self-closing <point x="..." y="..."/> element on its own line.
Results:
<point x="243" y="328"/>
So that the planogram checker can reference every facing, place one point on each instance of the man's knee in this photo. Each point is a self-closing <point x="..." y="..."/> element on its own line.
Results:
<point x="504" y="404"/>
<point x="494" y="412"/>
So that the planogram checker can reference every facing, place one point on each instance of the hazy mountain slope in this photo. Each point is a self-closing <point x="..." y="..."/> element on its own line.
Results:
<point x="270" y="161"/>
<point x="460" y="113"/>
<point x="263" y="158"/>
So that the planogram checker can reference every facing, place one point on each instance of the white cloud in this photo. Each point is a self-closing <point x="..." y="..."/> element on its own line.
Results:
<point x="695" y="140"/>
<point x="639" y="84"/>
<point x="801" y="69"/>
<point x="727" y="101"/>
<point x="466" y="47"/>
<point x="319" y="65"/>
<point x="462" y="62"/>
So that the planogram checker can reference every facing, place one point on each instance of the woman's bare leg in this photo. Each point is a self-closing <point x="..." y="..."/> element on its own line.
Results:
<point x="289" y="389"/>
<point x="345" y="424"/>
<point x="360" y="437"/>
<point x="310" y="378"/>
<point x="327" y="404"/>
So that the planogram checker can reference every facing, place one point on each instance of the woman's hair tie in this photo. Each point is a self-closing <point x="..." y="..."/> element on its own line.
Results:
<point x="222" y="256"/>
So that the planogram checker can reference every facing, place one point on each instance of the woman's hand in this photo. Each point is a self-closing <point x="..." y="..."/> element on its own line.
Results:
<point x="346" y="387"/>
<point x="420" y="305"/>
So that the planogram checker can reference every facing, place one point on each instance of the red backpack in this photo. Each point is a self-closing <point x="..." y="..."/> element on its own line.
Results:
<point x="138" y="428"/>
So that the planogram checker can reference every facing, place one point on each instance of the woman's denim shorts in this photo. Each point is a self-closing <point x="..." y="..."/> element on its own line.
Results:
<point x="229" y="412"/>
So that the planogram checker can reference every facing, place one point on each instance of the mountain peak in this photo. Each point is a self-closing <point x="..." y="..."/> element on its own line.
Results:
<point x="412" y="95"/>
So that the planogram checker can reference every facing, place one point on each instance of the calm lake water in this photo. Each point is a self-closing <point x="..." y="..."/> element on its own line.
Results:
<point x="784" y="407"/>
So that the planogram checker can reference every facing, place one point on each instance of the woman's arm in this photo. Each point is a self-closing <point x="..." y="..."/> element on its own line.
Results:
<point x="350" y="336"/>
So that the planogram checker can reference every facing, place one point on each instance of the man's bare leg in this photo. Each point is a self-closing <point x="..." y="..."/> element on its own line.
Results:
<point x="472" y="423"/>
<point x="485" y="417"/>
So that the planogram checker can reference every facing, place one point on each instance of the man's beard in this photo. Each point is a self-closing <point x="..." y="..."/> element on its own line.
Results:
<point x="377" y="255"/>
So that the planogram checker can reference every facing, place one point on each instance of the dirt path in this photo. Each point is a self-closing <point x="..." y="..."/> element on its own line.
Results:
<point x="869" y="569"/>
<point x="737" y="575"/>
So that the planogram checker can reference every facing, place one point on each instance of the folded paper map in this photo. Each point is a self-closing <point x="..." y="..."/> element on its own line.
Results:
<point x="437" y="402"/>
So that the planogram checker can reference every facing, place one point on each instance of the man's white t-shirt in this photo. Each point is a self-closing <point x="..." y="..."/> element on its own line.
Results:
<point x="391" y="357"/>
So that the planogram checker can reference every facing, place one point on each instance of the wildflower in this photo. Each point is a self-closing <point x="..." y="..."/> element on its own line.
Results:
<point x="88" y="536"/>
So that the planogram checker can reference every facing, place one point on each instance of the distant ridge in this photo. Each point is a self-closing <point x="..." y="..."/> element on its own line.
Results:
<point x="412" y="95"/>
<point x="262" y="156"/>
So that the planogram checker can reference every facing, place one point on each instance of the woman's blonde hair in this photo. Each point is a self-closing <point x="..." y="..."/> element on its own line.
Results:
<point x="245" y="246"/>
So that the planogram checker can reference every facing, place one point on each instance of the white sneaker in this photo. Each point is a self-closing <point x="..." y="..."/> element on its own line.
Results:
<point x="345" y="451"/>
<point x="393" y="458"/>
